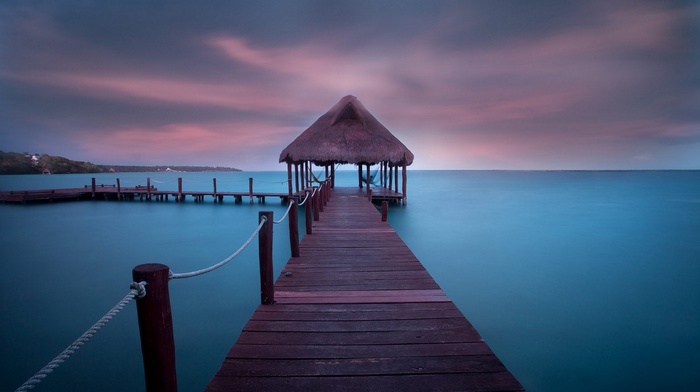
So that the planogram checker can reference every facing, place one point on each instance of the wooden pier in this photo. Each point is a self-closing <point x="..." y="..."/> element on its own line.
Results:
<point x="149" y="192"/>
<point x="356" y="312"/>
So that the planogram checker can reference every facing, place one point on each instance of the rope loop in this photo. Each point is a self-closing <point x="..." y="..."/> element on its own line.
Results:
<point x="305" y="198"/>
<point x="140" y="288"/>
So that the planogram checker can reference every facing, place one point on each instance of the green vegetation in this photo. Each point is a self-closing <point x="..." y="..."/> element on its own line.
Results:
<point x="25" y="163"/>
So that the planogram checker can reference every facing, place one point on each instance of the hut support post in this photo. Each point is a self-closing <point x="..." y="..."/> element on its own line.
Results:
<point x="156" y="328"/>
<point x="403" y="180"/>
<point x="296" y="176"/>
<point x="369" y="190"/>
<point x="333" y="175"/>
<point x="359" y="174"/>
<point x="289" y="179"/>
<point x="391" y="170"/>
<point x="267" y="283"/>
<point x="396" y="179"/>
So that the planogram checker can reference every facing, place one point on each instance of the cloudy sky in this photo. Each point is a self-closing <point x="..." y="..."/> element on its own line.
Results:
<point x="504" y="84"/>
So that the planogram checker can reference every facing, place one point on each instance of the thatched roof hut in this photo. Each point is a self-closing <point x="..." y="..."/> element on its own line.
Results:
<point x="349" y="133"/>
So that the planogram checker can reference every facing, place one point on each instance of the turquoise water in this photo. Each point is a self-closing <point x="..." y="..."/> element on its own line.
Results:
<point x="578" y="281"/>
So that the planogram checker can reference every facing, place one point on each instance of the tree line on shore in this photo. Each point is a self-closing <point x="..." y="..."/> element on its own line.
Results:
<point x="25" y="163"/>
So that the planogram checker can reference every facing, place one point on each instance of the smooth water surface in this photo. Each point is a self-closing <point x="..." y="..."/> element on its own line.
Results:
<point x="578" y="281"/>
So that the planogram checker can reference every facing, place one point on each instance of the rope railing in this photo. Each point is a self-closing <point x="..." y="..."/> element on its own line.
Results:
<point x="224" y="261"/>
<point x="291" y="203"/>
<point x="138" y="290"/>
<point x="305" y="199"/>
<point x="160" y="323"/>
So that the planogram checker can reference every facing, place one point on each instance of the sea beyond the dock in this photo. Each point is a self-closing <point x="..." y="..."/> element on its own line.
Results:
<point x="577" y="280"/>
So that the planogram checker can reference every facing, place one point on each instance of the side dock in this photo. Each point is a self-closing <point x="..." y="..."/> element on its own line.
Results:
<point x="357" y="311"/>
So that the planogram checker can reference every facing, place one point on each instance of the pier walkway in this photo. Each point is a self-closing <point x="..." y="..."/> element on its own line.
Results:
<point x="358" y="312"/>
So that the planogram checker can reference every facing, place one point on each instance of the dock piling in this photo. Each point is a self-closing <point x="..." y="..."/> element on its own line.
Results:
<point x="156" y="328"/>
<point x="267" y="280"/>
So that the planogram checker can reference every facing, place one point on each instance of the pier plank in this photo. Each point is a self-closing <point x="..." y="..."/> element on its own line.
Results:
<point x="355" y="312"/>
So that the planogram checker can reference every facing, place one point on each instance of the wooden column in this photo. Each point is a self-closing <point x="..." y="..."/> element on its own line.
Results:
<point x="294" y="228"/>
<point x="396" y="179"/>
<point x="119" y="190"/>
<point x="369" y="195"/>
<point x="385" y="210"/>
<point x="289" y="179"/>
<point x="250" y="189"/>
<point x="296" y="176"/>
<point x="156" y="328"/>
<point x="148" y="189"/>
<point x="359" y="174"/>
<point x="308" y="208"/>
<point x="403" y="179"/>
<point x="317" y="210"/>
<point x="267" y="282"/>
<point x="214" y="181"/>
<point x="333" y="175"/>
<point x="179" y="189"/>
<point x="93" y="187"/>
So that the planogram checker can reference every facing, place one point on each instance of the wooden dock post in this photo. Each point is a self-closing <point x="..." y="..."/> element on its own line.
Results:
<point x="179" y="189"/>
<point x="385" y="210"/>
<point x="214" y="181"/>
<point x="250" y="189"/>
<point x="148" y="188"/>
<point x="294" y="228"/>
<point x="307" y="212"/>
<point x="119" y="189"/>
<point x="93" y="187"/>
<point x="156" y="328"/>
<point x="267" y="280"/>
<point x="315" y="204"/>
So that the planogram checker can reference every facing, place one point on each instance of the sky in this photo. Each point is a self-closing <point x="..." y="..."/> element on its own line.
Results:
<point x="473" y="85"/>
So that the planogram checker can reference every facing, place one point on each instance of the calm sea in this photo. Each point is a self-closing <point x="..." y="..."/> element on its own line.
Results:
<point x="579" y="281"/>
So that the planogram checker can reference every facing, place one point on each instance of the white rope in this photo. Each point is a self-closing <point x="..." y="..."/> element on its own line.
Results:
<point x="222" y="262"/>
<point x="305" y="198"/>
<point x="277" y="222"/>
<point x="138" y="290"/>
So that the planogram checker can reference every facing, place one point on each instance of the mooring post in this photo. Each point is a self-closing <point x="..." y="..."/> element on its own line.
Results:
<point x="294" y="228"/>
<point x="119" y="190"/>
<point x="156" y="328"/>
<point x="385" y="210"/>
<point x="93" y="187"/>
<point x="317" y="215"/>
<point x="267" y="283"/>
<point x="250" y="189"/>
<point x="179" y="189"/>
<point x="214" y="180"/>
<point x="321" y="197"/>
<point x="148" y="188"/>
<point x="307" y="212"/>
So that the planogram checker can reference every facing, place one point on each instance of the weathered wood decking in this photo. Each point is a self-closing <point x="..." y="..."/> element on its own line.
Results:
<point x="358" y="312"/>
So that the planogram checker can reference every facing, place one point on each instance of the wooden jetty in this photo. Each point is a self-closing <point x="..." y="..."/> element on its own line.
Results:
<point x="149" y="192"/>
<point x="355" y="312"/>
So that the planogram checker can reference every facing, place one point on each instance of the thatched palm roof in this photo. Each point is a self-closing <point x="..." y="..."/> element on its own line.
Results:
<point x="347" y="133"/>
